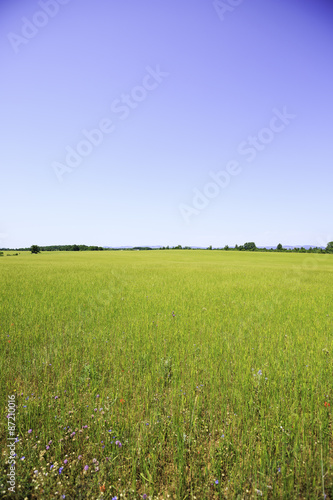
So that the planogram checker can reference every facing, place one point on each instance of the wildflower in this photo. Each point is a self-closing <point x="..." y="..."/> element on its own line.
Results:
<point x="73" y="434"/>
<point x="114" y="498"/>
<point x="97" y="396"/>
<point x="94" y="460"/>
<point x="47" y="447"/>
<point x="222" y="436"/>
<point x="259" y="372"/>
<point x="56" y="397"/>
<point x="326" y="404"/>
<point x="122" y="401"/>
<point x="65" y="461"/>
<point x="60" y="470"/>
<point x="22" y="458"/>
<point x="144" y="496"/>
<point x="50" y="441"/>
<point x="79" y="457"/>
<point x="96" y="469"/>
<point x="118" y="443"/>
<point x="51" y="467"/>
<point x="86" y="467"/>
<point x="35" y="471"/>
<point x="102" y="488"/>
<point x="216" y="481"/>
<point x="63" y="496"/>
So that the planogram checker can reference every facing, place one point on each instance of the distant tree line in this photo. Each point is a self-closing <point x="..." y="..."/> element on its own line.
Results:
<point x="61" y="248"/>
<point x="251" y="247"/>
<point x="247" y="247"/>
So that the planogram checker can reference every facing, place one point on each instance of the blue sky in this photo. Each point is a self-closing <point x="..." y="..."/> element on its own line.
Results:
<point x="166" y="123"/>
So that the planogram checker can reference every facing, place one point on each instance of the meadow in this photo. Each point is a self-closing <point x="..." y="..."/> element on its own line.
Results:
<point x="167" y="374"/>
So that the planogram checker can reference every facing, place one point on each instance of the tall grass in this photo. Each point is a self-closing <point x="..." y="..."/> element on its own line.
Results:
<point x="192" y="374"/>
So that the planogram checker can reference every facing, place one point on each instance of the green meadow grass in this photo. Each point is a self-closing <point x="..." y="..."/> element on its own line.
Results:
<point x="171" y="374"/>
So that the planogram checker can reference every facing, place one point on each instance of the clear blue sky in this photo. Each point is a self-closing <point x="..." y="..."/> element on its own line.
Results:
<point x="181" y="92"/>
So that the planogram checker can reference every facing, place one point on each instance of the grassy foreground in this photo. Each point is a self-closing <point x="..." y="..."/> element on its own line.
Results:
<point x="167" y="374"/>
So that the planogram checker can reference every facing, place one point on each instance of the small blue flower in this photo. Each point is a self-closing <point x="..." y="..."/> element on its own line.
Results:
<point x="216" y="481"/>
<point x="60" y="470"/>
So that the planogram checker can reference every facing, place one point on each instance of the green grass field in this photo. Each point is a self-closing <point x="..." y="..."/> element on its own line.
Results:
<point x="171" y="374"/>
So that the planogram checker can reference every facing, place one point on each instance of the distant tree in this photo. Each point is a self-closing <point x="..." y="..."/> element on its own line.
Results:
<point x="1" y="254"/>
<point x="179" y="247"/>
<point x="279" y="247"/>
<point x="226" y="247"/>
<point x="35" y="249"/>
<point x="329" y="247"/>
<point x="210" y="247"/>
<point x="75" y="248"/>
<point x="250" y="246"/>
